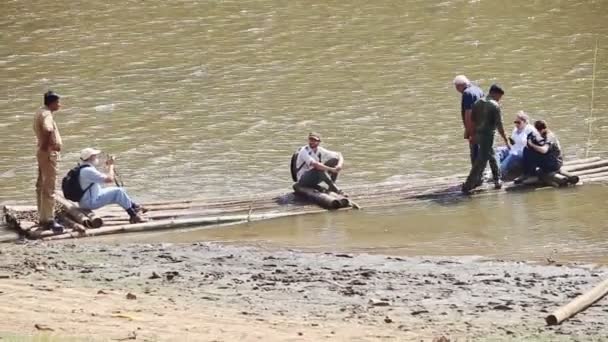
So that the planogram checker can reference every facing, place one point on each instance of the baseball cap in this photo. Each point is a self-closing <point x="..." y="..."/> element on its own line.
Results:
<point x="314" y="135"/>
<point x="88" y="153"/>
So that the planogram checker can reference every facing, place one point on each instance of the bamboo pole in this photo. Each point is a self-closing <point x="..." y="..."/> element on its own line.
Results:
<point x="595" y="175"/>
<point x="590" y="118"/>
<point x="596" y="178"/>
<point x="180" y="223"/>
<point x="586" y="166"/>
<point x="579" y="304"/>
<point x="74" y="225"/>
<point x="45" y="234"/>
<point x="95" y="220"/>
<point x="8" y="237"/>
<point x="581" y="161"/>
<point x="19" y="208"/>
<point x="327" y="201"/>
<point x="73" y="211"/>
<point x="591" y="171"/>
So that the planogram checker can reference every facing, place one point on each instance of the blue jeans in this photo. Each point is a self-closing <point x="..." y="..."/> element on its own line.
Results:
<point x="510" y="164"/>
<point x="106" y="196"/>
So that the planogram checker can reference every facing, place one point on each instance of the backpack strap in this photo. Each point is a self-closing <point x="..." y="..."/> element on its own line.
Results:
<point x="80" y="167"/>
<point x="298" y="168"/>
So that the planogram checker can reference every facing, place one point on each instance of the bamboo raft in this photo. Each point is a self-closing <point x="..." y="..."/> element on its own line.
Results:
<point x="235" y="210"/>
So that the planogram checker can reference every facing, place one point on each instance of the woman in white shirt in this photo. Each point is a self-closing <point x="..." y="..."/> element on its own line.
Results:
<point x="511" y="160"/>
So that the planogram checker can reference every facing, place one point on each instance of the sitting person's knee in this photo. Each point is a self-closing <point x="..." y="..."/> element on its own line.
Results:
<point x="333" y="162"/>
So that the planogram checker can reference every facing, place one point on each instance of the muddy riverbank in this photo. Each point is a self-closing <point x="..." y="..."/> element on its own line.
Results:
<point x="158" y="292"/>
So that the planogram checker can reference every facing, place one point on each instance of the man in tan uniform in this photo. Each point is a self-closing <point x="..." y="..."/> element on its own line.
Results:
<point x="49" y="146"/>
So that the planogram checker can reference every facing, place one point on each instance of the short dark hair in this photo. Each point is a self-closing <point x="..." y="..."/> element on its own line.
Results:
<point x="540" y="125"/>
<point x="50" y="97"/>
<point x="496" y="89"/>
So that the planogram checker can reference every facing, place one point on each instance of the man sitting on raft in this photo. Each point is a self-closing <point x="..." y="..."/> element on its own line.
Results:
<point x="95" y="196"/>
<point x="315" y="164"/>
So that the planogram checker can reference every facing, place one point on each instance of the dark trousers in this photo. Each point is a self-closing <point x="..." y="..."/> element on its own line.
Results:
<point x="485" y="155"/>
<point x="533" y="160"/>
<point x="473" y="151"/>
<point x="312" y="178"/>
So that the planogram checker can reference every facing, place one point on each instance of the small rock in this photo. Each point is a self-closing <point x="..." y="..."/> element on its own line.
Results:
<point x="154" y="276"/>
<point x="131" y="296"/>
<point x="418" y="312"/>
<point x="300" y="333"/>
<point x="441" y="339"/>
<point x="344" y="256"/>
<point x="100" y="292"/>
<point x="39" y="268"/>
<point x="376" y="302"/>
<point x="502" y="307"/>
<point x="356" y="282"/>
<point x="171" y="274"/>
<point x="388" y="320"/>
<point x="43" y="327"/>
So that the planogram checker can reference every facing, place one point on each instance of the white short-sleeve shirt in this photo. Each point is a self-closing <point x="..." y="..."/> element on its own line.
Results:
<point x="306" y="157"/>
<point x="521" y="139"/>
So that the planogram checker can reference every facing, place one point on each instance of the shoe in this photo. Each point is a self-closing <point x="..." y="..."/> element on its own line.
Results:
<point x="465" y="190"/>
<point x="573" y="180"/>
<point x="55" y="226"/>
<point x="137" y="219"/>
<point x="497" y="184"/>
<point x="140" y="208"/>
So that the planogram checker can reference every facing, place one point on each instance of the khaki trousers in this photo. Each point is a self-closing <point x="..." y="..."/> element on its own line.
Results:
<point x="45" y="185"/>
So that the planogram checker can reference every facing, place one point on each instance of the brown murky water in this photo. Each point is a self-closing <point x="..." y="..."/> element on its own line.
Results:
<point x="205" y="99"/>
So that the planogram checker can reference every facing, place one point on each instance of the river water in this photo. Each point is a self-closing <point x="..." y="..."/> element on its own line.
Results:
<point x="204" y="99"/>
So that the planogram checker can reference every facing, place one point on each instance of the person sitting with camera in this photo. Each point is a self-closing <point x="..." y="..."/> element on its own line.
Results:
<point x="95" y="196"/>
<point x="543" y="154"/>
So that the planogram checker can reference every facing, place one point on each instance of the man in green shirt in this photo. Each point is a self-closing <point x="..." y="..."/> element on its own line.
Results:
<point x="487" y="118"/>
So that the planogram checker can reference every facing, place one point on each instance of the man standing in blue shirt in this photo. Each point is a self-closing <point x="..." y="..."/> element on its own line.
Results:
<point x="95" y="196"/>
<point x="470" y="94"/>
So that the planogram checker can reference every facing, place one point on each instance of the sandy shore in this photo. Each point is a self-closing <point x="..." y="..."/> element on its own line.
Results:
<point x="210" y="292"/>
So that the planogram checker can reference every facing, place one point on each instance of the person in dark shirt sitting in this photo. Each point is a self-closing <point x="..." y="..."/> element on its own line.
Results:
<point x="542" y="154"/>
